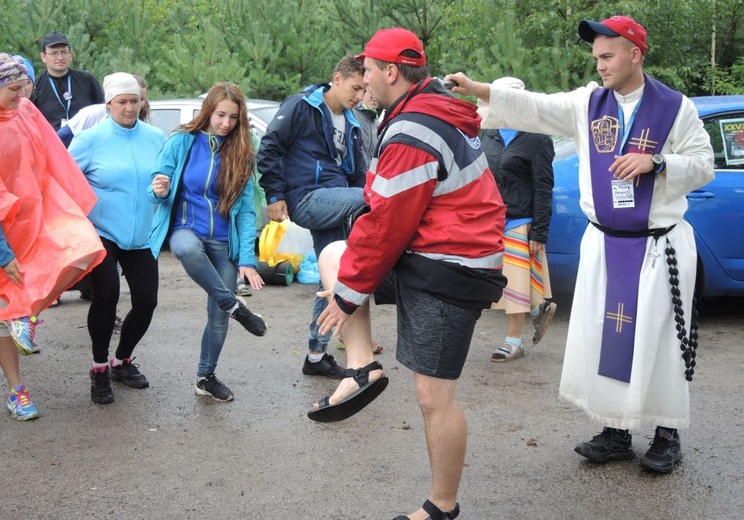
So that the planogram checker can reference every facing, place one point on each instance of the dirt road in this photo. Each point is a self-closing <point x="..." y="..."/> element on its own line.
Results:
<point x="165" y="453"/>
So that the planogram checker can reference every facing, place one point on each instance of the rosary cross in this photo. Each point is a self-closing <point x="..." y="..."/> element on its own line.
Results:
<point x="654" y="255"/>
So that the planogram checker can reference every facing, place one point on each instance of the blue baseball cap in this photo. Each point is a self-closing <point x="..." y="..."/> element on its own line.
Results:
<point x="29" y="66"/>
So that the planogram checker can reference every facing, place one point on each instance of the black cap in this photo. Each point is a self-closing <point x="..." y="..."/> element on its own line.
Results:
<point x="52" y="39"/>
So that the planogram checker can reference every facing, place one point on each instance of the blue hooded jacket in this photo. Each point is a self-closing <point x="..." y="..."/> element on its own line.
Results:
<point x="297" y="153"/>
<point x="242" y="222"/>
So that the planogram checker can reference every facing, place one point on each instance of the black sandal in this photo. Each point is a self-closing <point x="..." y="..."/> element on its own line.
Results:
<point x="435" y="513"/>
<point x="354" y="402"/>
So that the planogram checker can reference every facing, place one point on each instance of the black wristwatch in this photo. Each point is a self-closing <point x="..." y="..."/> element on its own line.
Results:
<point x="658" y="162"/>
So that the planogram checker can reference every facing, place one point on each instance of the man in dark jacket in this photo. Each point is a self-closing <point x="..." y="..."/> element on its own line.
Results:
<point x="312" y="171"/>
<point x="61" y="91"/>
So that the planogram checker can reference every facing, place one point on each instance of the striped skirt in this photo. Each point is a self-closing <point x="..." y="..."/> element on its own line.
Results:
<point x="528" y="279"/>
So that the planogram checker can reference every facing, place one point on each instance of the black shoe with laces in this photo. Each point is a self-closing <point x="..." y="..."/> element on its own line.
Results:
<point x="664" y="453"/>
<point x="214" y="388"/>
<point x="611" y="444"/>
<point x="100" y="387"/>
<point x="327" y="366"/>
<point x="253" y="323"/>
<point x="129" y="374"/>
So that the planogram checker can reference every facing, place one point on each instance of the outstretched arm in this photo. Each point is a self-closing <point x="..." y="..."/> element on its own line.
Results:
<point x="467" y="87"/>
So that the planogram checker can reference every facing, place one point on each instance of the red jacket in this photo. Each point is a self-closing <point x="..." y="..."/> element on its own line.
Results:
<point x="430" y="192"/>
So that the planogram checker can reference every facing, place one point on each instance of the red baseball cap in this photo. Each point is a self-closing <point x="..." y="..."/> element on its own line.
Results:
<point x="389" y="44"/>
<point x="615" y="26"/>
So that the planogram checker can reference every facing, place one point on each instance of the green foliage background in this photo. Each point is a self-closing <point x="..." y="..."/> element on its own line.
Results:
<point x="274" y="48"/>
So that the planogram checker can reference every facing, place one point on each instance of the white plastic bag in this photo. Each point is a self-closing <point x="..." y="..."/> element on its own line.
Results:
<point x="296" y="241"/>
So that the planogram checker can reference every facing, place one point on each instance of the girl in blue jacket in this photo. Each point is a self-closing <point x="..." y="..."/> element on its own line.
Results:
<point x="202" y="186"/>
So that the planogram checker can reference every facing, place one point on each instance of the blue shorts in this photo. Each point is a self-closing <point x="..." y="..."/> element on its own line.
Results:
<point x="433" y="336"/>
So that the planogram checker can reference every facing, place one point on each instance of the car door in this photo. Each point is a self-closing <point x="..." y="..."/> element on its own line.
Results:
<point x="716" y="210"/>
<point x="165" y="118"/>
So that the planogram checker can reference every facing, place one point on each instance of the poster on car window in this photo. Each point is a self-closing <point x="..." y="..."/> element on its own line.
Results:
<point x="732" y="133"/>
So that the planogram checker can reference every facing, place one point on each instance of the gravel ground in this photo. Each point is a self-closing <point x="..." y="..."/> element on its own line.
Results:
<point x="165" y="453"/>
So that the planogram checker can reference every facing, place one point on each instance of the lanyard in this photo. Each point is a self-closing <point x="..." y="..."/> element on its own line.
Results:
<point x="625" y="131"/>
<point x="69" y="93"/>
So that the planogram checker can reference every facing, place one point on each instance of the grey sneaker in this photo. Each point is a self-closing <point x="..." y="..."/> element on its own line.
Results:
<point x="541" y="322"/>
<point x="214" y="388"/>
<point x="611" y="444"/>
<point x="243" y="289"/>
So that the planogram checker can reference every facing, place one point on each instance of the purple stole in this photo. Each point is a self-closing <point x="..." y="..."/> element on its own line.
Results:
<point x="624" y="256"/>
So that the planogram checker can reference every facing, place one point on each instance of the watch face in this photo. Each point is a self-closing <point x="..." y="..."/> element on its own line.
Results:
<point x="657" y="159"/>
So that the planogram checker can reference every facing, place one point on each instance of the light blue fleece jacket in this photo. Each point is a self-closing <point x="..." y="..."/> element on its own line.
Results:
<point x="242" y="223"/>
<point x="117" y="162"/>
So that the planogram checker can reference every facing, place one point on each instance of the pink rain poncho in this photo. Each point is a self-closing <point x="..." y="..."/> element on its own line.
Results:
<point x="44" y="200"/>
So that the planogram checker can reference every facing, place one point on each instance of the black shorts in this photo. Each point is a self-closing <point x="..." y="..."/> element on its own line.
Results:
<point x="433" y="336"/>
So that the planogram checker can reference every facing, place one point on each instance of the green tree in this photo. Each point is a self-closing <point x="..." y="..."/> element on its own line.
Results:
<point x="273" y="49"/>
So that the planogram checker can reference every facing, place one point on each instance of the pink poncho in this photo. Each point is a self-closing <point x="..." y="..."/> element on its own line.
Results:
<point x="44" y="200"/>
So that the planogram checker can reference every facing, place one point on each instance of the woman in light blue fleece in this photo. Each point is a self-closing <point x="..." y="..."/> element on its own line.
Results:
<point x="204" y="193"/>
<point x="117" y="157"/>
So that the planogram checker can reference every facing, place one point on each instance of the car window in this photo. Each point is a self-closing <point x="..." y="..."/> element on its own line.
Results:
<point x="727" y="138"/>
<point x="261" y="117"/>
<point x="167" y="119"/>
<point x="265" y="114"/>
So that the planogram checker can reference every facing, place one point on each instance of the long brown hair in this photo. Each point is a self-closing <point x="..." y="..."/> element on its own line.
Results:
<point x="237" y="155"/>
<point x="144" y="114"/>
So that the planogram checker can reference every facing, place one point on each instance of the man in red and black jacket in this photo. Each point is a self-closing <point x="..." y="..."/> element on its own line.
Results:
<point x="431" y="243"/>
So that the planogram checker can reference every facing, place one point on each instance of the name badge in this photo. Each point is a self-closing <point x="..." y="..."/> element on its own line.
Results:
<point x="62" y="123"/>
<point x="623" y="194"/>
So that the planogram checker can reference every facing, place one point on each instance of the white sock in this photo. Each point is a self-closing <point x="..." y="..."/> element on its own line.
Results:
<point x="115" y="362"/>
<point x="314" y="358"/>
<point x="234" y="307"/>
<point x="98" y="366"/>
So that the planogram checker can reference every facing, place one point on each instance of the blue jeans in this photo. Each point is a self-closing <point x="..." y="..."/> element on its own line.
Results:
<point x="324" y="212"/>
<point x="207" y="262"/>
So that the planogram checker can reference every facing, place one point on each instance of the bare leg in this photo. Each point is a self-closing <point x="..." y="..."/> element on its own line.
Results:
<point x="9" y="361"/>
<point x="446" y="439"/>
<point x="515" y="322"/>
<point x="66" y="278"/>
<point x="357" y="329"/>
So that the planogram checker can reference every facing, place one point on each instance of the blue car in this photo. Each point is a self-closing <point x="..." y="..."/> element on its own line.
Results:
<point x="716" y="210"/>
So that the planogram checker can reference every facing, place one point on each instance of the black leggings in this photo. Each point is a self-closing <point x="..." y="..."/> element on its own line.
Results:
<point x="141" y="272"/>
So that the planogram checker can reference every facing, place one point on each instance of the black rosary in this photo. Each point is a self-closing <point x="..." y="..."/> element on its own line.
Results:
<point x="687" y="345"/>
